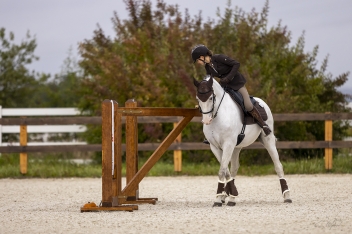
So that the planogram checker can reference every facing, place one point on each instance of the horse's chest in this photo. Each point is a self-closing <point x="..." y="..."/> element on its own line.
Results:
<point x="217" y="136"/>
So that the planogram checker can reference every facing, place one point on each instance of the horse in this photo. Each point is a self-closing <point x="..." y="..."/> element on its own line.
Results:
<point x="222" y="123"/>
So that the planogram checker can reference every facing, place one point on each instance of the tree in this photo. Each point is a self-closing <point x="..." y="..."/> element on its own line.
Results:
<point x="149" y="60"/>
<point x="63" y="91"/>
<point x="17" y="83"/>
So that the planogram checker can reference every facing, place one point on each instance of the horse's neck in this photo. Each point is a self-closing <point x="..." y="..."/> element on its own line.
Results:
<point x="218" y="90"/>
<point x="221" y="94"/>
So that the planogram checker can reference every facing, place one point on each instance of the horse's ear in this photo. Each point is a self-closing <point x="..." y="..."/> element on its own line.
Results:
<point x="196" y="82"/>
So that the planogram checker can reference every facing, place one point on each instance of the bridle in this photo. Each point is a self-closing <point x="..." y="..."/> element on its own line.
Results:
<point x="212" y="109"/>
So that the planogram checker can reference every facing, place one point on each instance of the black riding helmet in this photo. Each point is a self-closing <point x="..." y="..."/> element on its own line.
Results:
<point x="199" y="50"/>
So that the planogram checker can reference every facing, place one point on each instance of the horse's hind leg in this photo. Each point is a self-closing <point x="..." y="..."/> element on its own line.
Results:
<point x="220" y="193"/>
<point x="270" y="144"/>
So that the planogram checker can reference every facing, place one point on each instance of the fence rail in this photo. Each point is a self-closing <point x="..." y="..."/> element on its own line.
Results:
<point x="34" y="128"/>
<point x="163" y="119"/>
<point x="96" y="120"/>
<point x="328" y="144"/>
<point x="175" y="146"/>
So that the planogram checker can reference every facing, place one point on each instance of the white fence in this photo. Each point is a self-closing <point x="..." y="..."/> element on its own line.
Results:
<point x="45" y="129"/>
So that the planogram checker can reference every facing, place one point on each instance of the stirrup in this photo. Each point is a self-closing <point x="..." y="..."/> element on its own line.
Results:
<point x="206" y="142"/>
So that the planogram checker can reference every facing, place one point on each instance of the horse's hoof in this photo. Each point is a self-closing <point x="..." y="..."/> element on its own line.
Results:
<point x="287" y="201"/>
<point x="217" y="204"/>
<point x="230" y="203"/>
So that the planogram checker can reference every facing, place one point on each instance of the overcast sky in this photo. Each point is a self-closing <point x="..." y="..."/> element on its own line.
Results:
<point x="61" y="24"/>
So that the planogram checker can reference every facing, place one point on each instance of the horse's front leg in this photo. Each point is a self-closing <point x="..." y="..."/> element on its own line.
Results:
<point x="231" y="189"/>
<point x="220" y="192"/>
<point x="226" y="183"/>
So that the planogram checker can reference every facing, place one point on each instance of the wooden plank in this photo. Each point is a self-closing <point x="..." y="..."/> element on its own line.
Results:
<point x="174" y="146"/>
<point x="312" y="116"/>
<point x="129" y="208"/>
<point x="23" y="155"/>
<point x="51" y="148"/>
<point x="155" y="111"/>
<point x="163" y="119"/>
<point x="131" y="147"/>
<point x="107" y="192"/>
<point x="117" y="177"/>
<point x="94" y="120"/>
<point x="156" y="155"/>
<point x="177" y="154"/>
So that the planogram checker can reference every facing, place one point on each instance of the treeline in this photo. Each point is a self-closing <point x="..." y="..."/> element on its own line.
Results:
<point x="148" y="59"/>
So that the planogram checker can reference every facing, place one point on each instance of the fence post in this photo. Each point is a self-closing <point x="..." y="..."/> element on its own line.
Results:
<point x="328" y="138"/>
<point x="23" y="142"/>
<point x="177" y="154"/>
<point x="131" y="148"/>
<point x="107" y="192"/>
<point x="117" y="177"/>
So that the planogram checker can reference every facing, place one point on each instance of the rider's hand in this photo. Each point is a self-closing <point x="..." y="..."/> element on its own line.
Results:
<point x="225" y="80"/>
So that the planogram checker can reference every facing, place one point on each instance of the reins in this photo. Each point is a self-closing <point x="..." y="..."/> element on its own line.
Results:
<point x="216" y="113"/>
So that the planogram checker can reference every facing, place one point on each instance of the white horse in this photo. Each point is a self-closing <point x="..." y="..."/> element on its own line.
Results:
<point x="222" y="123"/>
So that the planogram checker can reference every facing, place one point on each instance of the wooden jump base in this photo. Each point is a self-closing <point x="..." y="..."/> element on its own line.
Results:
<point x="114" y="198"/>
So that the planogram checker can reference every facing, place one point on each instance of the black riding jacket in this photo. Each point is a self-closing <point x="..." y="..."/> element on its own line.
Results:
<point x="222" y="66"/>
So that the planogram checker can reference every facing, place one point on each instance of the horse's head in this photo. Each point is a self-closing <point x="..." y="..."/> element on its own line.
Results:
<point x="206" y="99"/>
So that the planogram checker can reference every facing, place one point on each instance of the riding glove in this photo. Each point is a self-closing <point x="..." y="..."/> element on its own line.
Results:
<point x="225" y="80"/>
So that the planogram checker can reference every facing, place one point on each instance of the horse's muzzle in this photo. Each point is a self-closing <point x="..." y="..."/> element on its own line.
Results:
<point x="207" y="120"/>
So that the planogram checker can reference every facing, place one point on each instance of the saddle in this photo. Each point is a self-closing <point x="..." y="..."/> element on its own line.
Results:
<point x="247" y="119"/>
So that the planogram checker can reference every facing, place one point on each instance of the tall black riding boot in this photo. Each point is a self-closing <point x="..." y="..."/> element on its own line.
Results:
<point x="255" y="113"/>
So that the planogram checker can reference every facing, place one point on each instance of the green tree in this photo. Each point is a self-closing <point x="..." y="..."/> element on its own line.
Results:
<point x="62" y="90"/>
<point x="149" y="60"/>
<point x="17" y="83"/>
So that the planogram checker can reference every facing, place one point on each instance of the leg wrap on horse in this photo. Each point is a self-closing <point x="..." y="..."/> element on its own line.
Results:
<point x="255" y="113"/>
<point x="221" y="188"/>
<point x="231" y="189"/>
<point x="284" y="187"/>
<point x="219" y="194"/>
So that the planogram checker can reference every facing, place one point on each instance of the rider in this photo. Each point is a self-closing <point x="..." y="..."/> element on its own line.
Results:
<point x="226" y="68"/>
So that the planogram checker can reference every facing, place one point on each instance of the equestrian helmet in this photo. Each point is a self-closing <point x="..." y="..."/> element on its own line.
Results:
<point x="199" y="50"/>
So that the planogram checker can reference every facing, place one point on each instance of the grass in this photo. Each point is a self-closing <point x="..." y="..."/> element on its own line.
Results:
<point x="52" y="167"/>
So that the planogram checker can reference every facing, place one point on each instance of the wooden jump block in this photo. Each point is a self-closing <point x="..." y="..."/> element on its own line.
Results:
<point x="133" y="200"/>
<point x="92" y="207"/>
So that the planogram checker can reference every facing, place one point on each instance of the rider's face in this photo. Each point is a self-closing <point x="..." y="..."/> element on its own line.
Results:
<point x="201" y="60"/>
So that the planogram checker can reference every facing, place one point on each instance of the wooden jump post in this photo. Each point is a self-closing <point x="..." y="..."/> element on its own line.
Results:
<point x="113" y="196"/>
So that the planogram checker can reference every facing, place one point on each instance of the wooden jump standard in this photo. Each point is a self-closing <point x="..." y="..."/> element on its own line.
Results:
<point x="113" y="196"/>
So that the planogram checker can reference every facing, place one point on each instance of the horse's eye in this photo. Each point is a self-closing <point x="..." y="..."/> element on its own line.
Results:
<point x="211" y="98"/>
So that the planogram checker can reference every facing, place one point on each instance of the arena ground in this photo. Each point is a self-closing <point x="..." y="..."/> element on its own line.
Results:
<point x="321" y="204"/>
